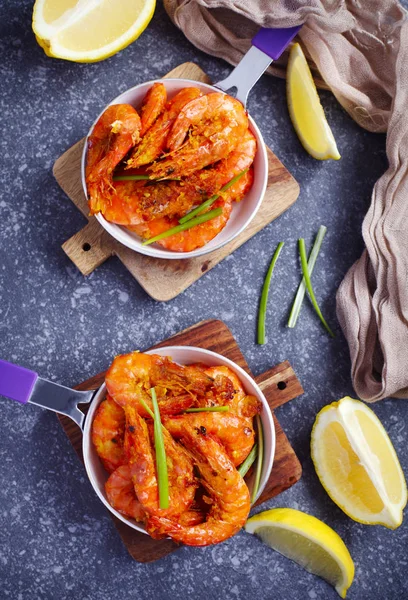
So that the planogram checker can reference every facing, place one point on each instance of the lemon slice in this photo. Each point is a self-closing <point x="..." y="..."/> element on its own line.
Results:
<point x="305" y="110"/>
<point x="357" y="464"/>
<point x="308" y="541"/>
<point x="89" y="30"/>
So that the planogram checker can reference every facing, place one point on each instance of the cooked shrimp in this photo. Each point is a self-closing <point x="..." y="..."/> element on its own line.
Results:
<point x="189" y="518"/>
<point x="152" y="106"/>
<point x="182" y="483"/>
<point x="121" y="494"/>
<point x="154" y="140"/>
<point x="131" y="376"/>
<point x="108" y="430"/>
<point x="228" y="491"/>
<point x="210" y="107"/>
<point x="198" y="236"/>
<point x="114" y="134"/>
<point x="240" y="403"/>
<point x="235" y="434"/>
<point x="135" y="202"/>
<point x="220" y="123"/>
<point x="238" y="160"/>
<point x="192" y="516"/>
<point x="189" y="240"/>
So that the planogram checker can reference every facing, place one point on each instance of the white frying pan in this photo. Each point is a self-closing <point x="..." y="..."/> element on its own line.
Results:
<point x="23" y="385"/>
<point x="267" y="45"/>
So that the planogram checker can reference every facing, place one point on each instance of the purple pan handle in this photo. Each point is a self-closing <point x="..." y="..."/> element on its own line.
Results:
<point x="16" y="382"/>
<point x="274" y="41"/>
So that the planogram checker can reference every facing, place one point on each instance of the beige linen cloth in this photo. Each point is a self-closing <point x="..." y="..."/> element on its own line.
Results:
<point x="360" y="48"/>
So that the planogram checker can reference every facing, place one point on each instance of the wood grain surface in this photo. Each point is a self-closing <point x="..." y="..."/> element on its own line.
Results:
<point x="162" y="279"/>
<point x="279" y="384"/>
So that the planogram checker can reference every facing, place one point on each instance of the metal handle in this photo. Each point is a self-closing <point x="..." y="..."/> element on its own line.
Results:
<point x="16" y="382"/>
<point x="267" y="45"/>
<point x="23" y="385"/>
<point x="61" y="399"/>
<point x="274" y="41"/>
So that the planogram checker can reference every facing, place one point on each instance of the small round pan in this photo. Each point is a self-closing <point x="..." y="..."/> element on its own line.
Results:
<point x="183" y="355"/>
<point x="242" y="213"/>
<point x="25" y="386"/>
<point x="267" y="45"/>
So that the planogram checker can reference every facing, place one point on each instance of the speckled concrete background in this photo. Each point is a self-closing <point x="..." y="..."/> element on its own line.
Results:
<point x="56" y="538"/>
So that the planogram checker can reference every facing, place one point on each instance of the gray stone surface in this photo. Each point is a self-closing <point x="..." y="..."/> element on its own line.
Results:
<point x="56" y="538"/>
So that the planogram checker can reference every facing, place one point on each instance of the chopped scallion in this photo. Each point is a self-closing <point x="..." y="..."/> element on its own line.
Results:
<point x="161" y="463"/>
<point x="131" y="178"/>
<point x="146" y="407"/>
<point x="258" y="470"/>
<point x="184" y="226"/>
<point x="264" y="296"/>
<point x="306" y="275"/>
<point x="141" y="178"/>
<point x="249" y="461"/>
<point x="301" y="291"/>
<point x="211" y="200"/>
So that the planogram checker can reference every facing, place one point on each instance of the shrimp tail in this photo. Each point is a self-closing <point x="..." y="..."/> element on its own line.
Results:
<point x="230" y="502"/>
<point x="116" y="131"/>
<point x="154" y="141"/>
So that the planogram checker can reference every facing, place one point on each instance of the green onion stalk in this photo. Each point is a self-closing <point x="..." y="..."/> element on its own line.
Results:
<point x="259" y="462"/>
<point x="184" y="226"/>
<point x="306" y="275"/>
<point x="301" y="291"/>
<point x="161" y="462"/>
<point x="211" y="200"/>
<point x="249" y="461"/>
<point x="264" y="295"/>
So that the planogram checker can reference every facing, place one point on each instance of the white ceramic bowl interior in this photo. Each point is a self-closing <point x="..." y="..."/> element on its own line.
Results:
<point x="243" y="212"/>
<point x="183" y="355"/>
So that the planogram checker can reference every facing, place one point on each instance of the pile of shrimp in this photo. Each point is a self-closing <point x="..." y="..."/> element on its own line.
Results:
<point x="190" y="145"/>
<point x="209" y="501"/>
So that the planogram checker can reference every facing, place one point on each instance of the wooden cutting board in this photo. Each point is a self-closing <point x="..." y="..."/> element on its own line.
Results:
<point x="279" y="385"/>
<point x="162" y="279"/>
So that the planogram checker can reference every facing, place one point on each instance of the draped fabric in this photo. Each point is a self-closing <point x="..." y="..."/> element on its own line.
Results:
<point x="360" y="50"/>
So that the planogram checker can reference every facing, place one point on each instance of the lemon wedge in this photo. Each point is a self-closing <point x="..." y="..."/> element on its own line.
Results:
<point x="357" y="464"/>
<point x="88" y="31"/>
<point x="309" y="542"/>
<point x="305" y="110"/>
